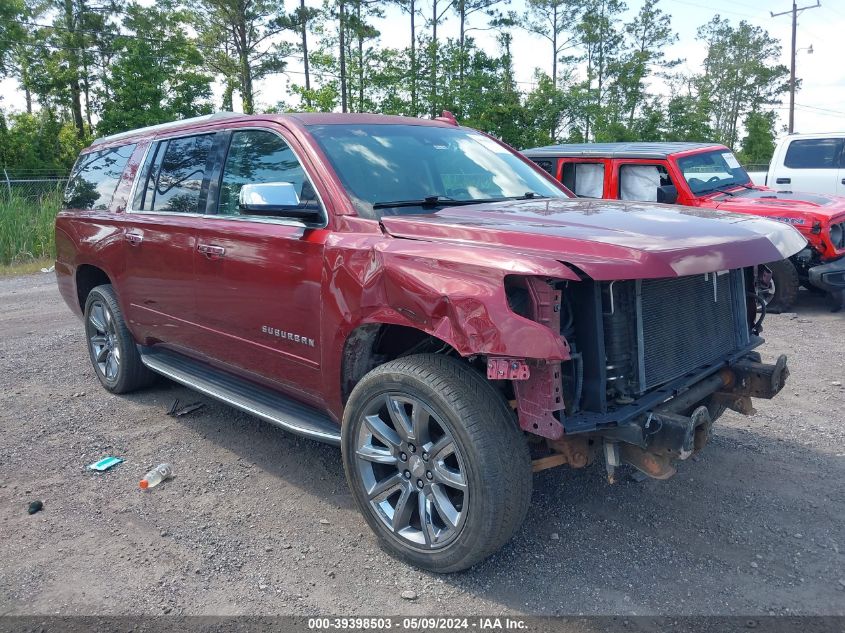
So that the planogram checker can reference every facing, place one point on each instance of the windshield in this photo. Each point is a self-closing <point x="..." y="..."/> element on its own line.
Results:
<point x="396" y="163"/>
<point x="710" y="171"/>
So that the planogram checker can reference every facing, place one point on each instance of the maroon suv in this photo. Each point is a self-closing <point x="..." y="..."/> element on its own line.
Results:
<point x="421" y="295"/>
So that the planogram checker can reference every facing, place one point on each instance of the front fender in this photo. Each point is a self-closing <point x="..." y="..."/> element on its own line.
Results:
<point x="456" y="294"/>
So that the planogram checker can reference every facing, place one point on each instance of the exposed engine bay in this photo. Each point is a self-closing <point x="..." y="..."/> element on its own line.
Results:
<point x="652" y="364"/>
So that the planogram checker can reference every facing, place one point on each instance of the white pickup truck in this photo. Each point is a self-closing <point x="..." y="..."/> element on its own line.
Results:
<point x="814" y="163"/>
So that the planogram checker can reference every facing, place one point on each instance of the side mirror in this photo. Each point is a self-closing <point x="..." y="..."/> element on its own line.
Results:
<point x="667" y="194"/>
<point x="277" y="199"/>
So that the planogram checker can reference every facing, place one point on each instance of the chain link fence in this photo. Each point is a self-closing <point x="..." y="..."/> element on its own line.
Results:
<point x="756" y="167"/>
<point x="29" y="201"/>
<point x="31" y="184"/>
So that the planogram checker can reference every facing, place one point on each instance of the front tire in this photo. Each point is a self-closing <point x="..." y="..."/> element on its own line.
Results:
<point x="111" y="347"/>
<point x="435" y="462"/>
<point x="782" y="292"/>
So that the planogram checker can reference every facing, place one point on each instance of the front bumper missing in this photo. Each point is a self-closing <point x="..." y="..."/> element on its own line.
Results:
<point x="671" y="432"/>
<point x="830" y="276"/>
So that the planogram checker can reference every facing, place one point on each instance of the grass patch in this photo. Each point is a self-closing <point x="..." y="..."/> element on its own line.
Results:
<point x="25" y="268"/>
<point x="26" y="227"/>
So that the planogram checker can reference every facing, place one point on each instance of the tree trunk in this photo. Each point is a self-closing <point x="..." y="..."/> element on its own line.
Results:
<point x="227" y="105"/>
<point x="305" y="52"/>
<point x="462" y="10"/>
<point x="245" y="69"/>
<point x="342" y="28"/>
<point x="73" y="67"/>
<point x="434" y="59"/>
<point x="24" y="70"/>
<point x="246" y="81"/>
<point x="413" y="60"/>
<point x="600" y="78"/>
<point x="360" y="59"/>
<point x="554" y="50"/>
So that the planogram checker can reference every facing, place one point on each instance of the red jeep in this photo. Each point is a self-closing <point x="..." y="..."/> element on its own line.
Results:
<point x="420" y="295"/>
<point x="708" y="175"/>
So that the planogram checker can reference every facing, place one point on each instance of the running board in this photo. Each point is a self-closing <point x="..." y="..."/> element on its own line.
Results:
<point x="249" y="397"/>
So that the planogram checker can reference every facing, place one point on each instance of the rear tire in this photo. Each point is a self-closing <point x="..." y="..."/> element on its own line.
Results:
<point x="428" y="433"/>
<point x="786" y="285"/>
<point x="111" y="347"/>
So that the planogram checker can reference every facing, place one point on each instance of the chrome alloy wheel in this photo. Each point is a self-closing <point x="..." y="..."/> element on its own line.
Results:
<point x="412" y="471"/>
<point x="102" y="337"/>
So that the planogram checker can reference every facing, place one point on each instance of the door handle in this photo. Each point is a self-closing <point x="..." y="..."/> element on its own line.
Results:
<point x="211" y="251"/>
<point x="783" y="181"/>
<point x="133" y="238"/>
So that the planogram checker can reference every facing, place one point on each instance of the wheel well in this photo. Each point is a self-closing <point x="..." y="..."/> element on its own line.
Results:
<point x="87" y="278"/>
<point x="369" y="346"/>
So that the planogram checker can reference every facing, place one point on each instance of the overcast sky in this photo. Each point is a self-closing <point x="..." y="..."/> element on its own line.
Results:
<point x="820" y="102"/>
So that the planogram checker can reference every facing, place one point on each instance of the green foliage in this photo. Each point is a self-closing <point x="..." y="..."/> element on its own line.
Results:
<point x="238" y="38"/>
<point x="158" y="74"/>
<point x="38" y="142"/>
<point x="126" y="65"/>
<point x="26" y="226"/>
<point x="758" y="144"/>
<point x="740" y="74"/>
<point x="11" y="31"/>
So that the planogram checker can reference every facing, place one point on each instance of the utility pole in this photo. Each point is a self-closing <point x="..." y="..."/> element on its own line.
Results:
<point x="795" y="11"/>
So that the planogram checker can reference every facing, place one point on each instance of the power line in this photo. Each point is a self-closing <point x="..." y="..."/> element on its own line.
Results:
<point x="820" y="109"/>
<point x="712" y="9"/>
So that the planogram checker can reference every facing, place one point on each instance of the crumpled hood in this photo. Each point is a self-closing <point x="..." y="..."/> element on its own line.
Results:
<point x="609" y="239"/>
<point x="783" y="205"/>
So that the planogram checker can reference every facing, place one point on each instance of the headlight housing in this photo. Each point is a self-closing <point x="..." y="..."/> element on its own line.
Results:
<point x="837" y="235"/>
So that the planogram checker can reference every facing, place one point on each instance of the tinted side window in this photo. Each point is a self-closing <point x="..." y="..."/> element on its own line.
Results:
<point x="816" y="153"/>
<point x="256" y="157"/>
<point x="172" y="178"/>
<point x="95" y="176"/>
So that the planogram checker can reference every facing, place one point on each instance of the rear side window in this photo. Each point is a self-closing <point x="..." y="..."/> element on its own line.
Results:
<point x="814" y="153"/>
<point x="585" y="180"/>
<point x="172" y="179"/>
<point x="95" y="176"/>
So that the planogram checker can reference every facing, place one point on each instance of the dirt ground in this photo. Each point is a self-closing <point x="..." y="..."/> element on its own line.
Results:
<point x="260" y="522"/>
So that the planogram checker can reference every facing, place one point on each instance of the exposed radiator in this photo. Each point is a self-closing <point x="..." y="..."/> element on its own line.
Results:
<point x="657" y="330"/>
<point x="688" y="322"/>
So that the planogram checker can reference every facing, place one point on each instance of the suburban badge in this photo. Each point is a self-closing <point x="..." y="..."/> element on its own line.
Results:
<point x="290" y="336"/>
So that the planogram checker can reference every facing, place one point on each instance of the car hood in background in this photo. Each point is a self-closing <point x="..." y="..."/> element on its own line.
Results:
<point x="784" y="205"/>
<point x="608" y="239"/>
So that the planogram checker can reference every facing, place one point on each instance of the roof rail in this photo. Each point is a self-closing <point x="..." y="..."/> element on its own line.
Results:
<point x="165" y="126"/>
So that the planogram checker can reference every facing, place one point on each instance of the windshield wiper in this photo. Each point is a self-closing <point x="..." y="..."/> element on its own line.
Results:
<point x="721" y="188"/>
<point x="432" y="201"/>
<point x="528" y="195"/>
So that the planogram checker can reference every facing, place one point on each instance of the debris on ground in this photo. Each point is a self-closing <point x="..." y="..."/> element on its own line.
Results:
<point x="409" y="595"/>
<point x="176" y="412"/>
<point x="160" y="473"/>
<point x="105" y="463"/>
<point x="35" y="506"/>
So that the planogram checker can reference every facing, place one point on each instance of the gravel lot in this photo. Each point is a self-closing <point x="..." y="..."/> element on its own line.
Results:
<point x="260" y="522"/>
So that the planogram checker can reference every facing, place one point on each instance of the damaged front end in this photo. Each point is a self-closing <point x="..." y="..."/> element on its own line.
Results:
<point x="652" y="364"/>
